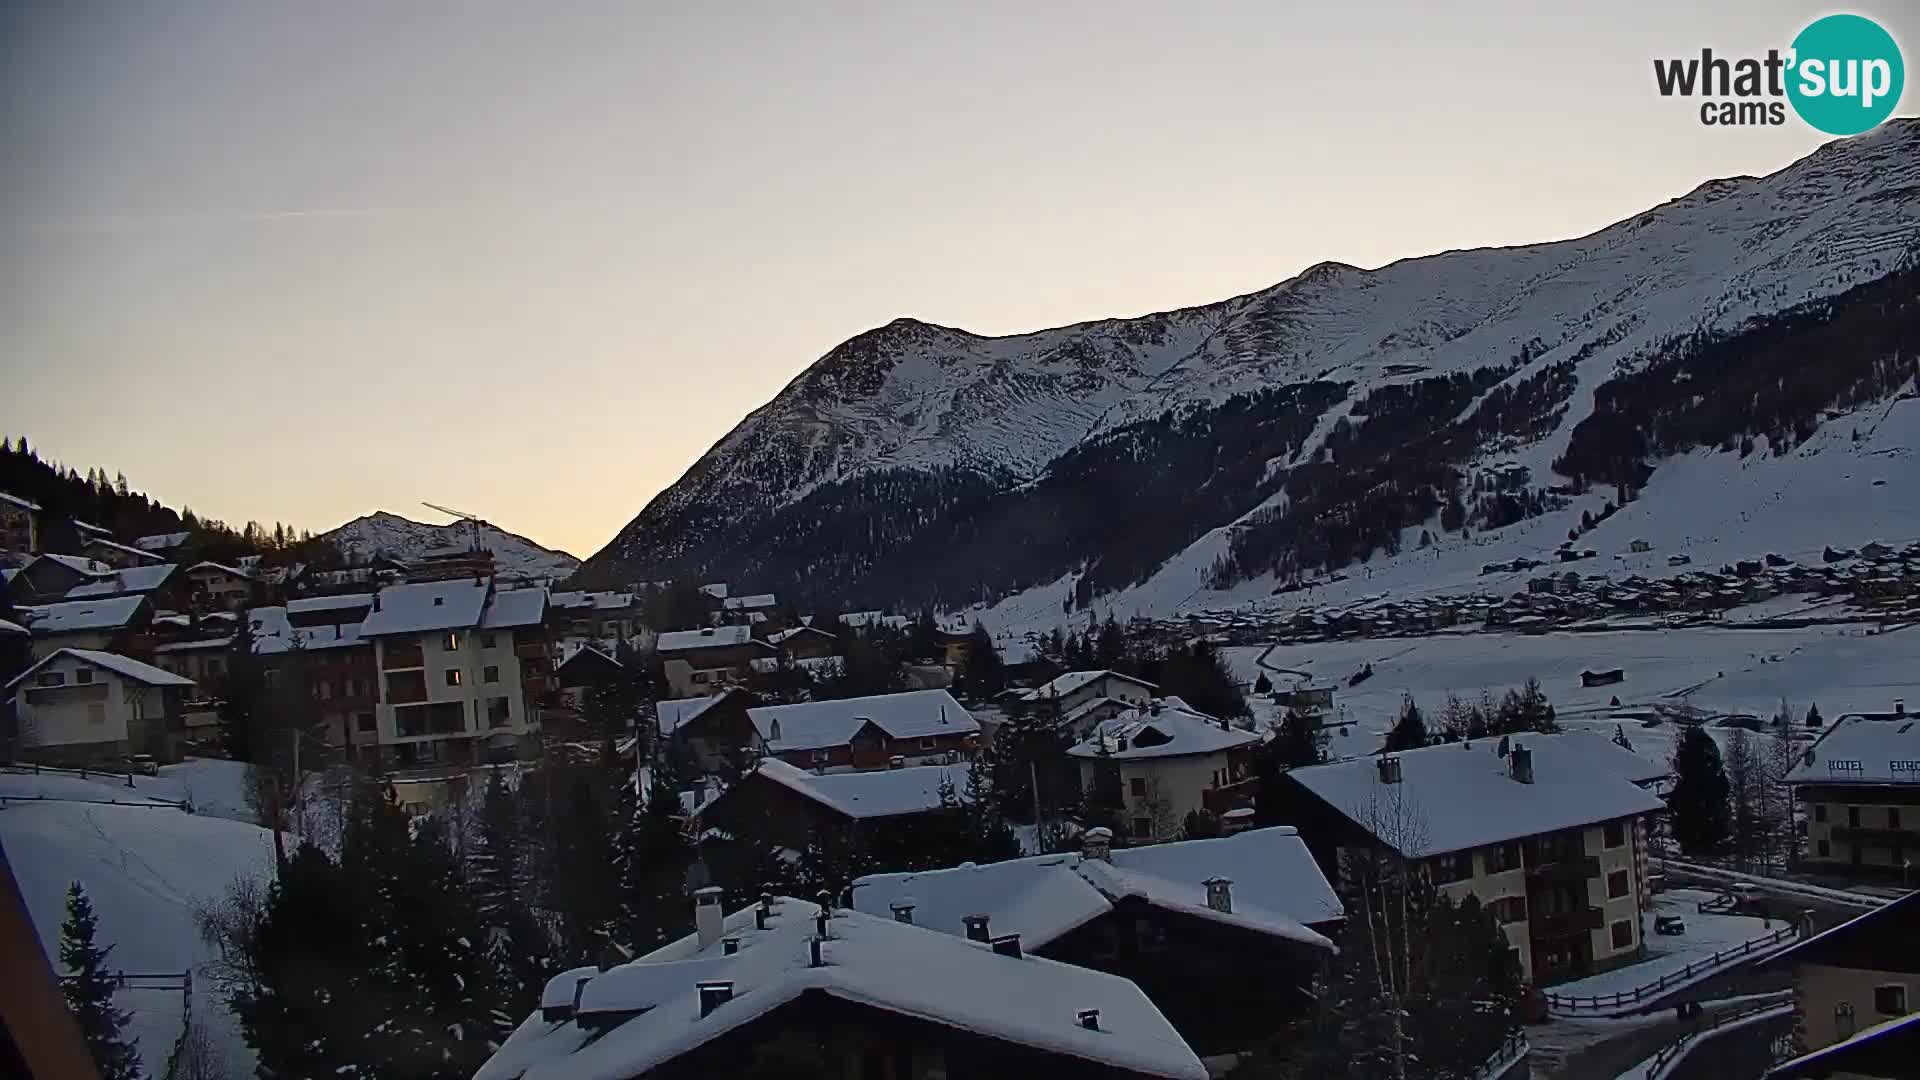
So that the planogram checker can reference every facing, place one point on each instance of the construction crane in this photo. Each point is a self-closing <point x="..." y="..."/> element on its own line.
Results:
<point x="472" y="520"/>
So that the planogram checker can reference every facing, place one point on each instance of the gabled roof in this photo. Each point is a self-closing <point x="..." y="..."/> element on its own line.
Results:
<point x="1277" y="888"/>
<point x="161" y="541"/>
<point x="756" y="602"/>
<point x="13" y="628"/>
<point x="816" y="725"/>
<point x="652" y="1004"/>
<point x="780" y="636"/>
<point x="19" y="502"/>
<point x="1062" y="685"/>
<point x="340" y="602"/>
<point x="126" y="667"/>
<point x="676" y="713"/>
<point x="1459" y="795"/>
<point x="597" y="601"/>
<point x="707" y="637"/>
<point x="425" y="606"/>
<point x="1861" y="751"/>
<point x="588" y="654"/>
<point x="222" y="568"/>
<point x="273" y="634"/>
<point x="1166" y="731"/>
<point x="138" y="553"/>
<point x="93" y="568"/>
<point x="872" y="794"/>
<point x="134" y="579"/>
<point x="514" y="608"/>
<point x="1894" y="925"/>
<point x="73" y="616"/>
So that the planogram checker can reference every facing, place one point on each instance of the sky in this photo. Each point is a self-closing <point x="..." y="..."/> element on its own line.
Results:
<point x="301" y="261"/>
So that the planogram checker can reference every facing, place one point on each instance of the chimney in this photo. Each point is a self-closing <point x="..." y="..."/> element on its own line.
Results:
<point x="976" y="927"/>
<point x="1520" y="764"/>
<point x="1220" y="894"/>
<point x="1389" y="767"/>
<point x="1088" y="1018"/>
<point x="814" y="957"/>
<point x="1007" y="945"/>
<point x="1900" y="707"/>
<point x="707" y="919"/>
<point x="729" y="946"/>
<point x="902" y="910"/>
<point x="896" y="762"/>
<point x="1097" y="843"/>
<point x="1506" y="743"/>
<point x="713" y="995"/>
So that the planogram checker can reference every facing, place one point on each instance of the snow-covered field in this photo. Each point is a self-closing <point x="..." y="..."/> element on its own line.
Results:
<point x="144" y="866"/>
<point x="210" y="786"/>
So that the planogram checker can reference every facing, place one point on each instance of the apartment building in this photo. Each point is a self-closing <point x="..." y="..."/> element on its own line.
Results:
<point x="1860" y="784"/>
<point x="1545" y="830"/>
<point x="19" y="524"/>
<point x="461" y="667"/>
<point x="1157" y="764"/>
<point x="313" y="648"/>
<point x="78" y="706"/>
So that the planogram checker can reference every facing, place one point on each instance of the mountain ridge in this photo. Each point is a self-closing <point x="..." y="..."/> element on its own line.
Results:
<point x="383" y="532"/>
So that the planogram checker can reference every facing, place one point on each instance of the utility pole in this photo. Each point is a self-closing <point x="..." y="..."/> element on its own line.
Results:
<point x="1033" y="778"/>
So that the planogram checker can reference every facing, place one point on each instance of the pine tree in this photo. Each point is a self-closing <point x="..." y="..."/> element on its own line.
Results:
<point x="1698" y="809"/>
<point x="986" y="673"/>
<point x="581" y="886"/>
<point x="1410" y="731"/>
<point x="89" y="990"/>
<point x="1298" y="743"/>
<point x="244" y="689"/>
<point x="1262" y="684"/>
<point x="305" y="1009"/>
<point x="518" y="954"/>
<point x="1814" y="718"/>
<point x="650" y="861"/>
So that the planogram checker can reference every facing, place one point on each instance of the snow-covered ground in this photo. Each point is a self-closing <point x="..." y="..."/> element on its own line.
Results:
<point x="144" y="867"/>
<point x="1706" y="934"/>
<point x="210" y="786"/>
<point x="383" y="533"/>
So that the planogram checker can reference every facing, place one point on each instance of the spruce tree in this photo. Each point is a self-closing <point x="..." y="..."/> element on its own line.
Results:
<point x="1299" y="741"/>
<point x="1699" y="809"/>
<point x="1262" y="684"/>
<point x="1814" y="719"/>
<point x="986" y="674"/>
<point x="518" y="955"/>
<point x="1410" y="731"/>
<point x="581" y="887"/>
<point x="306" y="1009"/>
<point x="89" y="987"/>
<point x="244" y="689"/>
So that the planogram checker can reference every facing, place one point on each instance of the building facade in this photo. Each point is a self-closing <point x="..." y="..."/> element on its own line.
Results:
<point x="1860" y="786"/>
<point x="19" y="524"/>
<point x="78" y="706"/>
<point x="1158" y="764"/>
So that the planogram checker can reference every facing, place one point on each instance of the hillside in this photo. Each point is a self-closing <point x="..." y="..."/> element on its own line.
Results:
<point x="382" y="533"/>
<point x="1318" y="424"/>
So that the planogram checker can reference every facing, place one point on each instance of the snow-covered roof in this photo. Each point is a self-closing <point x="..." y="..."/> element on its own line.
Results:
<point x="1459" y="795"/>
<point x="10" y="627"/>
<point x="597" y="601"/>
<point x="126" y="667"/>
<point x="202" y="645"/>
<point x="1062" y="685"/>
<point x="456" y="604"/>
<point x="717" y="590"/>
<point x="676" y="712"/>
<point x="221" y="568"/>
<point x="90" y="567"/>
<point x="1859" y="751"/>
<point x="513" y="608"/>
<point x="872" y="794"/>
<point x="816" y="725"/>
<point x="76" y="615"/>
<point x="755" y="602"/>
<point x="1863" y="1053"/>
<point x="161" y="541"/>
<point x="1276" y="889"/>
<point x="273" y="634"/>
<point x="872" y="961"/>
<point x="867" y="619"/>
<point x="707" y="637"/>
<point x="1167" y="731"/>
<point x="19" y="502"/>
<point x="340" y="602"/>
<point x="134" y="579"/>
<point x="780" y="636"/>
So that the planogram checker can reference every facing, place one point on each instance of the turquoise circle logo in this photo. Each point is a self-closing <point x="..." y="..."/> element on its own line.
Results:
<point x="1847" y="74"/>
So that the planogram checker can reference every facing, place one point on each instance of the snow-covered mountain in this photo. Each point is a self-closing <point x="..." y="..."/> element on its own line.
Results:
<point x="1305" y="425"/>
<point x="382" y="533"/>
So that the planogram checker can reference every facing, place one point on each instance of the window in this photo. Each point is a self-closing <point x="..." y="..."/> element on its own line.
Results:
<point x="928" y="743"/>
<point x="498" y="713"/>
<point x="453" y="676"/>
<point x="1843" y="1020"/>
<point x="1617" y="885"/>
<point x="1623" y="934"/>
<point x="822" y="757"/>
<point x="323" y="690"/>
<point x="1456" y="866"/>
<point x="1143" y="828"/>
<point x="486" y="641"/>
<point x="1615" y="835"/>
<point x="82" y="676"/>
<point x="699" y="676"/>
<point x="1825" y="849"/>
<point x="490" y="673"/>
<point x="1149" y="935"/>
<point x="1890" y="999"/>
<point x="366" y="723"/>
<point x="50" y="678"/>
<point x="452" y="643"/>
<point x="1853" y="817"/>
<point x="1893" y="817"/>
<point x="1502" y="857"/>
<point x="1509" y="909"/>
<point x="1137" y="787"/>
<point x="270" y="678"/>
<point x="1819" y="811"/>
<point x="96" y="713"/>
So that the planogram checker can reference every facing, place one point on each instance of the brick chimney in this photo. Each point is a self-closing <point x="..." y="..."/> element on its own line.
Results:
<point x="1097" y="843"/>
<point x="976" y="927"/>
<point x="1520" y="764"/>
<point x="1220" y="894"/>
<point x="707" y="919"/>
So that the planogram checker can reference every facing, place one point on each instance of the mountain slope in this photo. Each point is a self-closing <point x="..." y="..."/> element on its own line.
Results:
<point x="1298" y="427"/>
<point x="382" y="533"/>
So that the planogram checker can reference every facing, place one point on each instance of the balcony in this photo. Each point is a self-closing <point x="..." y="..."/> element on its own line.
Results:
<point x="394" y="655"/>
<point x="1566" y="868"/>
<point x="1860" y="834"/>
<point x="1579" y="921"/>
<point x="531" y="650"/>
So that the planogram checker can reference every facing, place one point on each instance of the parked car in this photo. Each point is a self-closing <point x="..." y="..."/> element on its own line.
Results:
<point x="144" y="764"/>
<point x="1670" y="925"/>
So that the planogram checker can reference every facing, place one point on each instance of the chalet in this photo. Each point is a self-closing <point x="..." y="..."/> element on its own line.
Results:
<point x="804" y="643"/>
<point x="77" y="706"/>
<point x="703" y="660"/>
<point x="1860" y="784"/>
<point x="712" y="731"/>
<point x="114" y="624"/>
<point x="461" y="669"/>
<point x="1546" y="830"/>
<point x="1159" y="763"/>
<point x="1639" y="546"/>
<point x="1854" y="996"/>
<point x="218" y="587"/>
<point x="19" y="524"/>
<point x="117" y="555"/>
<point x="1223" y="935"/>
<point x="787" y="806"/>
<point x="756" y="608"/>
<point x="203" y="661"/>
<point x="836" y="992"/>
<point x="1875" y="550"/>
<point x="161" y="581"/>
<point x="1306" y="700"/>
<point x="48" y="577"/>
<point x="918" y="726"/>
<point x="1084" y="698"/>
